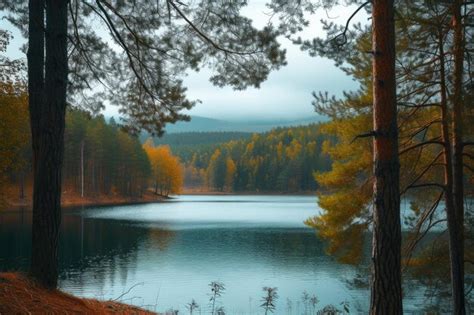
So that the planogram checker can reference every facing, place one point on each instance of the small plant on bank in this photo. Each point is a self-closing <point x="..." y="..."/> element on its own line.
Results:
<point x="305" y="299"/>
<point x="269" y="299"/>
<point x="217" y="288"/>
<point x="332" y="310"/>
<point x="313" y="300"/>
<point x="345" y="307"/>
<point x="192" y="306"/>
<point x="220" y="311"/>
<point x="289" y="306"/>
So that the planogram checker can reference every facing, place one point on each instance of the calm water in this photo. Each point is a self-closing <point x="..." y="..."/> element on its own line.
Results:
<point x="167" y="253"/>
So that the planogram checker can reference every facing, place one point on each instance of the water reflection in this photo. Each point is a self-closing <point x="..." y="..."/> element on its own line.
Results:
<point x="169" y="253"/>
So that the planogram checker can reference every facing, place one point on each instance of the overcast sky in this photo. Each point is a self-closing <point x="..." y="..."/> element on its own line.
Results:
<point x="285" y="95"/>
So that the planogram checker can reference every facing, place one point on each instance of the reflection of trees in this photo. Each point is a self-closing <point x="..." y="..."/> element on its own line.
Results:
<point x="282" y="248"/>
<point x="15" y="240"/>
<point x="105" y="248"/>
<point x="159" y="238"/>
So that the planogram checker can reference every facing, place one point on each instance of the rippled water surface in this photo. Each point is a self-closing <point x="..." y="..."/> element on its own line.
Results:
<point x="162" y="255"/>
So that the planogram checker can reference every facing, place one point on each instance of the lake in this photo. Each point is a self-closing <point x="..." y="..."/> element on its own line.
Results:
<point x="163" y="255"/>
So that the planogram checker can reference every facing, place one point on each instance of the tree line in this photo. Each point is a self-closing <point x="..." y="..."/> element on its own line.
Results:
<point x="281" y="160"/>
<point x="99" y="157"/>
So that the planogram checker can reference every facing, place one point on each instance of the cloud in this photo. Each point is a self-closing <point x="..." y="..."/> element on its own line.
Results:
<point x="287" y="92"/>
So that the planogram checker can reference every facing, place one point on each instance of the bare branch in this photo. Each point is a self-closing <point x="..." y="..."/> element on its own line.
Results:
<point x="470" y="168"/>
<point x="426" y="185"/>
<point x="364" y="135"/>
<point x="427" y="168"/>
<point x="343" y="34"/>
<point x="428" y="213"/>
<point x="421" y="144"/>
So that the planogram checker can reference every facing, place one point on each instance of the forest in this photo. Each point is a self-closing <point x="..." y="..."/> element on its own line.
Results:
<point x="403" y="136"/>
<point x="281" y="160"/>
<point x="98" y="157"/>
<point x="101" y="159"/>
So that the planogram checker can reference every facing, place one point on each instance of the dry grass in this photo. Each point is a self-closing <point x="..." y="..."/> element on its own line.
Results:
<point x="19" y="295"/>
<point x="71" y="198"/>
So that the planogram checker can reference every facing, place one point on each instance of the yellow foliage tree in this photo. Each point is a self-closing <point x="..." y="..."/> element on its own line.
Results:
<point x="167" y="171"/>
<point x="231" y="168"/>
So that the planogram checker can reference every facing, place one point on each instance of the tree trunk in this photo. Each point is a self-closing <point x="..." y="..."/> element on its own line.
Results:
<point x="22" y="184"/>
<point x="82" y="169"/>
<point x="457" y="256"/>
<point x="454" y="232"/>
<point x="49" y="158"/>
<point x="35" y="57"/>
<point x="386" y="289"/>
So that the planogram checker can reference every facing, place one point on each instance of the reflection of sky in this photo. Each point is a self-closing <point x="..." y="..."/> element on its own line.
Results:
<point x="217" y="211"/>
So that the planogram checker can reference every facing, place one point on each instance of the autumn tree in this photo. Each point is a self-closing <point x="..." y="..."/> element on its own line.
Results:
<point x="424" y="50"/>
<point x="167" y="171"/>
<point x="230" y="170"/>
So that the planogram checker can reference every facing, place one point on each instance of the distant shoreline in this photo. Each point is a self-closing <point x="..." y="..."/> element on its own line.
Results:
<point x="74" y="200"/>
<point x="245" y="193"/>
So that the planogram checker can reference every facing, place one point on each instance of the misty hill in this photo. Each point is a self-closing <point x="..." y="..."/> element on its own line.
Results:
<point x="203" y="124"/>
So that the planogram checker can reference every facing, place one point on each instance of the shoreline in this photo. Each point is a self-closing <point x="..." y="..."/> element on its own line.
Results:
<point x="245" y="193"/>
<point x="73" y="200"/>
<point x="69" y="201"/>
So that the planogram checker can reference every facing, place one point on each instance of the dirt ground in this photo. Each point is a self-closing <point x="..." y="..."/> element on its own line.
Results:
<point x="19" y="295"/>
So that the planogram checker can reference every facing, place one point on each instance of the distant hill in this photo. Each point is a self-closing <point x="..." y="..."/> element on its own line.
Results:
<point x="190" y="139"/>
<point x="203" y="124"/>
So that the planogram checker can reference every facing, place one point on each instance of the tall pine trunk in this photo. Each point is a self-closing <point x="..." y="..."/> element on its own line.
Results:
<point x="50" y="150"/>
<point x="386" y="288"/>
<point x="455" y="244"/>
<point x="457" y="253"/>
<point x="35" y="55"/>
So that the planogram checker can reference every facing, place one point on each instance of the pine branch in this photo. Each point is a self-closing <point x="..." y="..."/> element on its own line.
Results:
<point x="204" y="36"/>
<point x="421" y="144"/>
